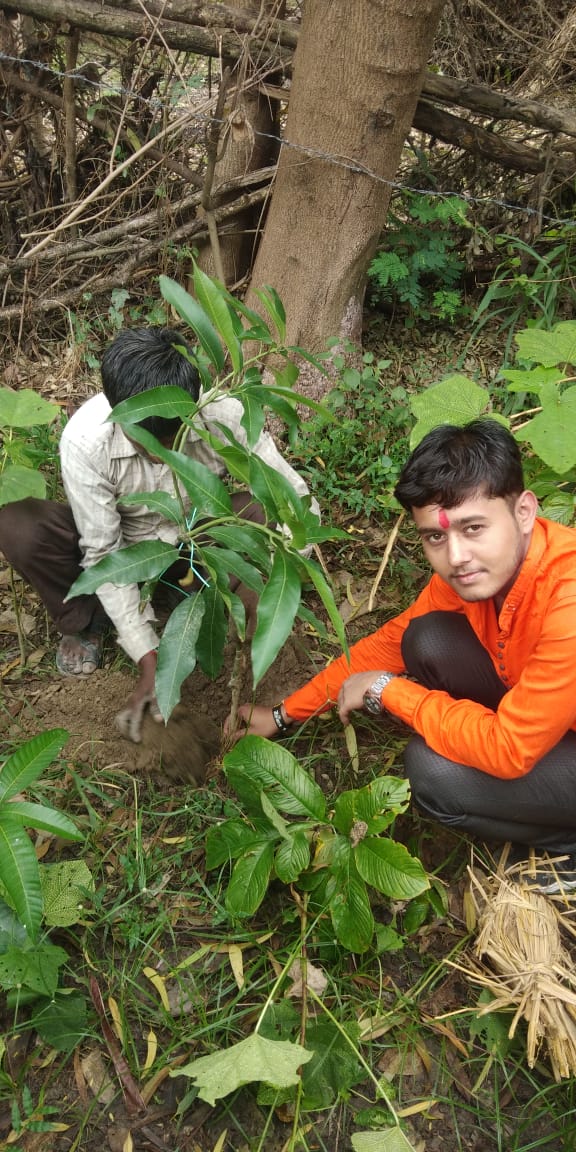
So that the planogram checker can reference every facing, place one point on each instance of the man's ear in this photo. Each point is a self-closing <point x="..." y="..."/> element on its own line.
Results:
<point x="526" y="510"/>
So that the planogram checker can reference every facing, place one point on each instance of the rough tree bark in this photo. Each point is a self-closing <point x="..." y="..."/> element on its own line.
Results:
<point x="245" y="144"/>
<point x="358" y="71"/>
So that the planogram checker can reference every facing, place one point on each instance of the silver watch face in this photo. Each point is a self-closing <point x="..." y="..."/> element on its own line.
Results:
<point x="372" y="704"/>
<point x="372" y="698"/>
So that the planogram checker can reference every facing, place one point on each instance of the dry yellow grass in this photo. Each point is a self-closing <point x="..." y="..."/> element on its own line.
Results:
<point x="520" y="957"/>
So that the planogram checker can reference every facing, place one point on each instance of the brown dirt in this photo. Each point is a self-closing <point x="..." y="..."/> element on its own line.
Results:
<point x="40" y="698"/>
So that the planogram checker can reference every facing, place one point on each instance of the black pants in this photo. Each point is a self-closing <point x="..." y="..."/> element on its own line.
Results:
<point x="39" y="539"/>
<point x="441" y="651"/>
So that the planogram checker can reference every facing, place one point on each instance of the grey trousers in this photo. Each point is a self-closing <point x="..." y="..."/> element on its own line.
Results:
<point x="441" y="651"/>
<point x="39" y="539"/>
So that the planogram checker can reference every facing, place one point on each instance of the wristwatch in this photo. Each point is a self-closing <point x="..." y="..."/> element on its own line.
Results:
<point x="373" y="695"/>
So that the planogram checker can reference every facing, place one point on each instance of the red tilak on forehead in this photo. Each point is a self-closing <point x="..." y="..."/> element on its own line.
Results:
<point x="443" y="519"/>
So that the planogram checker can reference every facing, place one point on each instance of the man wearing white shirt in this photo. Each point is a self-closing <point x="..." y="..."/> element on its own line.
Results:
<point x="50" y="543"/>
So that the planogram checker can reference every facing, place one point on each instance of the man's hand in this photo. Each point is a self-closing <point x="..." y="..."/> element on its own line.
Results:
<point x="130" y="720"/>
<point x="251" y="720"/>
<point x="351" y="694"/>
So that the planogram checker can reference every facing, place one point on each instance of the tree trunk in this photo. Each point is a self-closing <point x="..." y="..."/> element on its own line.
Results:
<point x="358" y="71"/>
<point x="245" y="142"/>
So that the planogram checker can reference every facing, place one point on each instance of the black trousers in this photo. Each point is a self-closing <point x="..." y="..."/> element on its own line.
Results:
<point x="441" y="651"/>
<point x="39" y="539"/>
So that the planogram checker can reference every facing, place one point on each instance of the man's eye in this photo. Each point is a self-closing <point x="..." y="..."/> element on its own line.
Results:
<point x="472" y="529"/>
<point x="435" y="538"/>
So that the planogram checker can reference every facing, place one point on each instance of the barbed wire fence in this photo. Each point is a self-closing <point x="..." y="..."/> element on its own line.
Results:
<point x="54" y="244"/>
<point x="203" y="120"/>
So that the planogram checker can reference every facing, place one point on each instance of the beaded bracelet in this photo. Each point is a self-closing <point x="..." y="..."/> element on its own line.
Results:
<point x="279" y="720"/>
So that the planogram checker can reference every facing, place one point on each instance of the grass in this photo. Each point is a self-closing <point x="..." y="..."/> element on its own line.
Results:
<point x="179" y="980"/>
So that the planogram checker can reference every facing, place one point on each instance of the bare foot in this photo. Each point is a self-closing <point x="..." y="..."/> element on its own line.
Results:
<point x="79" y="654"/>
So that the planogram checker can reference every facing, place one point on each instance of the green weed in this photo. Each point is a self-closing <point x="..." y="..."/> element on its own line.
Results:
<point x="533" y="284"/>
<point x="353" y="461"/>
<point x="419" y="267"/>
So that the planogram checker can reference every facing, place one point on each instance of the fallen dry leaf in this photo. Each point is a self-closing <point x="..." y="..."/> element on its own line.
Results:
<point x="315" y="979"/>
<point x="96" y="1076"/>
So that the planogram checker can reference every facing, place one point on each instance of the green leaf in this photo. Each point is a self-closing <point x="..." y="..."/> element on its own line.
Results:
<point x="274" y="768"/>
<point x="64" y="888"/>
<point x="274" y="1062"/>
<point x="551" y="432"/>
<point x="455" y="400"/>
<point x="211" y="640"/>
<point x="25" y="765"/>
<point x="169" y="401"/>
<point x="524" y="380"/>
<point x="232" y="839"/>
<point x="224" y="560"/>
<point x="334" y="1068"/>
<point x="195" y="316"/>
<point x="25" y="409"/>
<point x="384" y="796"/>
<point x="350" y="909"/>
<point x="206" y="491"/>
<point x="390" y="1140"/>
<point x="18" y="483"/>
<point x="390" y="868"/>
<point x="316" y="576"/>
<point x="62" y="1022"/>
<point x="177" y="652"/>
<point x="249" y="880"/>
<point x="11" y="930"/>
<point x="292" y="857"/>
<point x="243" y="538"/>
<point x="549" y="348"/>
<point x="160" y="502"/>
<point x="19" y="873"/>
<point x="254" y="416"/>
<point x="249" y="794"/>
<point x="279" y="824"/>
<point x="131" y="565"/>
<point x="388" y="940"/>
<point x="32" y="968"/>
<point x="286" y="378"/>
<point x="560" y="507"/>
<point x="277" y="608"/>
<point x="213" y="299"/>
<point x="493" y="1028"/>
<point x="275" y="493"/>
<point x="49" y="819"/>
<point x="233" y="454"/>
<point x="275" y="309"/>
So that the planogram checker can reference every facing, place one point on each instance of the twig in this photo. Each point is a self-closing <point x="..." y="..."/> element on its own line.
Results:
<point x="385" y="559"/>
<point x="68" y="92"/>
<point x="18" y="618"/>
<point x="212" y="140"/>
<point x="236" y="682"/>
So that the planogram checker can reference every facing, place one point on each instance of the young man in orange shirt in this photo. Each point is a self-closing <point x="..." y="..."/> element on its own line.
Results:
<point x="482" y="666"/>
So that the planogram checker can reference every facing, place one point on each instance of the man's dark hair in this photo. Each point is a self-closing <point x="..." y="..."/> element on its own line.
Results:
<point x="452" y="463"/>
<point x="143" y="358"/>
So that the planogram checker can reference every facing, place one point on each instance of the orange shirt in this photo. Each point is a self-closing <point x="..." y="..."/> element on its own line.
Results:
<point x="532" y="645"/>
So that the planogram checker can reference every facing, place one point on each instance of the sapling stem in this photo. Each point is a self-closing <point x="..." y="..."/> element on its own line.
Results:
<point x="18" y="618"/>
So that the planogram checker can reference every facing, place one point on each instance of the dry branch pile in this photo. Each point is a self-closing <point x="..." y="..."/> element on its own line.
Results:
<point x="108" y="111"/>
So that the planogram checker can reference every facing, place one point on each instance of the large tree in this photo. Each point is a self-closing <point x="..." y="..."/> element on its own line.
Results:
<point x="358" y="72"/>
<point x="114" y="165"/>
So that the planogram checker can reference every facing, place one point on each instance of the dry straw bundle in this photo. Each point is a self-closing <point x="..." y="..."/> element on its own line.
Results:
<point x="519" y="956"/>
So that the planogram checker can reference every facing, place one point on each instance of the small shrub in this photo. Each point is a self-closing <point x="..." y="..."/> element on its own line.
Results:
<point x="418" y="267"/>
<point x="355" y="462"/>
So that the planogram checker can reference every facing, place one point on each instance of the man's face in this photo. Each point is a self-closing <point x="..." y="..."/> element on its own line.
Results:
<point x="478" y="547"/>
